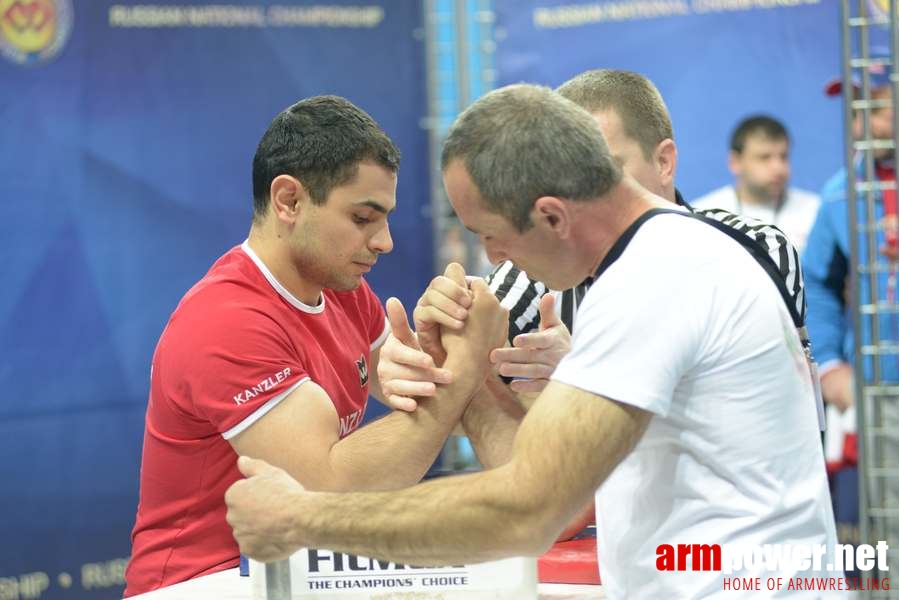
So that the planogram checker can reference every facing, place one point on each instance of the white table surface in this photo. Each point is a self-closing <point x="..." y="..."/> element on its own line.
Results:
<point x="229" y="585"/>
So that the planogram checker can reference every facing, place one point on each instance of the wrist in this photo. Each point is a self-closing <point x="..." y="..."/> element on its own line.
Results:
<point x="300" y="533"/>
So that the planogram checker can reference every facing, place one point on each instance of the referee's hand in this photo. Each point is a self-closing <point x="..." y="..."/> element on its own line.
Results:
<point x="533" y="357"/>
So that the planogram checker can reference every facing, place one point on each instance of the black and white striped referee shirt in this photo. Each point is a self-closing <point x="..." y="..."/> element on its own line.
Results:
<point x="521" y="295"/>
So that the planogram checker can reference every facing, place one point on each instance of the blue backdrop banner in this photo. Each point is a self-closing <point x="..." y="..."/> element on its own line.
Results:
<point x="715" y="62"/>
<point x="128" y="133"/>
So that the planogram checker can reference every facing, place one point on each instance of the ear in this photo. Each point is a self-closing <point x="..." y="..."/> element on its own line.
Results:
<point x="666" y="161"/>
<point x="733" y="163"/>
<point x="552" y="213"/>
<point x="287" y="197"/>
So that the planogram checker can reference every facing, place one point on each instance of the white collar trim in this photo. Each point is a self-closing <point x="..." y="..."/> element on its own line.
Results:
<point x="245" y="246"/>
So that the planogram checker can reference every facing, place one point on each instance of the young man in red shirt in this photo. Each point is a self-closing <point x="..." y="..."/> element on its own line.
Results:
<point x="274" y="352"/>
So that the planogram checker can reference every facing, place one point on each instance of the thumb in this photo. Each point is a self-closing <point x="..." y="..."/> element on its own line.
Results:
<point x="399" y="323"/>
<point x="479" y="286"/>
<point x="548" y="316"/>
<point x="250" y="467"/>
<point x="455" y="272"/>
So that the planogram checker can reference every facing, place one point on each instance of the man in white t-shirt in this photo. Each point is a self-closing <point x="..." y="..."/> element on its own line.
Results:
<point x="760" y="162"/>
<point x="685" y="405"/>
<point x="731" y="453"/>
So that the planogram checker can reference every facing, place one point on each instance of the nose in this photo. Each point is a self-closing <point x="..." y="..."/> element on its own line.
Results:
<point x="381" y="242"/>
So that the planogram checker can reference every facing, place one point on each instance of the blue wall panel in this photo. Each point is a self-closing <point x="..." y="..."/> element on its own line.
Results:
<point x="715" y="62"/>
<point x="125" y="171"/>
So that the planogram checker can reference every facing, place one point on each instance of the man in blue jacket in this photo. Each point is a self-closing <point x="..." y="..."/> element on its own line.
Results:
<point x="827" y="268"/>
<point x="826" y="258"/>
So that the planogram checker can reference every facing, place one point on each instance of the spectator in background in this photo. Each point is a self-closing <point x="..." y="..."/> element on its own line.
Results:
<point x="760" y="162"/>
<point x="826" y="263"/>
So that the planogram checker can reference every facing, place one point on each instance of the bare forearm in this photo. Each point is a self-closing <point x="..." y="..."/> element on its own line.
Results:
<point x="397" y="450"/>
<point x="516" y="509"/>
<point x="491" y="421"/>
<point x="440" y="522"/>
<point x="561" y="457"/>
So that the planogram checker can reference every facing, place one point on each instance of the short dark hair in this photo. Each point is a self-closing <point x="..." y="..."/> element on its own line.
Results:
<point x="523" y="141"/>
<point x="320" y="141"/>
<point x="632" y="96"/>
<point x="765" y="125"/>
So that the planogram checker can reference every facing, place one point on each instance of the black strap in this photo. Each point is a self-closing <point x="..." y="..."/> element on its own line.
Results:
<point x="760" y="255"/>
<point x="621" y="243"/>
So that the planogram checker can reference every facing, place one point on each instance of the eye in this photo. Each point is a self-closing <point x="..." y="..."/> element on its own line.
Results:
<point x="361" y="220"/>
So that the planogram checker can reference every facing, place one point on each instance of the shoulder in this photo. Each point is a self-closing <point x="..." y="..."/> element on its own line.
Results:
<point x="731" y="218"/>
<point x="232" y="286"/>
<point x="224" y="315"/>
<point x="766" y="237"/>
<point x="232" y="306"/>
<point x="763" y="234"/>
<point x="666" y="240"/>
<point x="697" y="250"/>
<point x="834" y="189"/>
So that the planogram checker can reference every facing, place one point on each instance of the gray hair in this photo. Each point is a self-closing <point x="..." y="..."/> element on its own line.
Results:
<point x="523" y="141"/>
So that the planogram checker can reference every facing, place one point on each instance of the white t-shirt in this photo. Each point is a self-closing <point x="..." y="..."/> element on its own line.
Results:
<point x="794" y="217"/>
<point x="686" y="325"/>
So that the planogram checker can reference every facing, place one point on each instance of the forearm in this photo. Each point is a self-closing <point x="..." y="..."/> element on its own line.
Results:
<point x="452" y="520"/>
<point x="397" y="450"/>
<point x="516" y="509"/>
<point x="491" y="421"/>
<point x="561" y="456"/>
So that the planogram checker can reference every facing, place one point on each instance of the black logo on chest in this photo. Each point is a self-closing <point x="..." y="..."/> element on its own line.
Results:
<point x="362" y="367"/>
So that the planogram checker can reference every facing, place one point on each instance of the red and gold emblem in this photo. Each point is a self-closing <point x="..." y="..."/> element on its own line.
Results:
<point x="34" y="31"/>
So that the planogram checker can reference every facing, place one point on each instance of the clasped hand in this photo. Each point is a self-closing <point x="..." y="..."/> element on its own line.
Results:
<point x="456" y="314"/>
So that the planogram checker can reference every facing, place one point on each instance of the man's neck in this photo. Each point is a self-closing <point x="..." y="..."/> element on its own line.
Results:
<point x="610" y="217"/>
<point x="274" y="252"/>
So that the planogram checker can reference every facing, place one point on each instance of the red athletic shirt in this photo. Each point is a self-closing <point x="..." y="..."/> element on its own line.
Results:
<point x="236" y="345"/>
